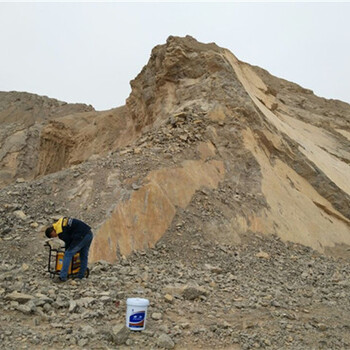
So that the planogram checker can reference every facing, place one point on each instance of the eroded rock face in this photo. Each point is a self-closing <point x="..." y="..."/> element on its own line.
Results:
<point x="180" y="73"/>
<point x="206" y="145"/>
<point x="297" y="187"/>
<point x="141" y="221"/>
<point x="76" y="138"/>
<point x="304" y="166"/>
<point x="22" y="117"/>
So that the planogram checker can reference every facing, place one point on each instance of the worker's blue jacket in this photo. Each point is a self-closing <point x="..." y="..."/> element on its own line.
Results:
<point x="71" y="231"/>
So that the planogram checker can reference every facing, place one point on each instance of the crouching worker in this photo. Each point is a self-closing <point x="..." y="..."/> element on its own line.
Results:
<point x="77" y="236"/>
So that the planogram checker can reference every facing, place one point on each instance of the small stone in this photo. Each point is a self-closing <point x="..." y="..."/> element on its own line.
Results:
<point x="164" y="341"/>
<point x="145" y="276"/>
<point x="122" y="153"/>
<point x="322" y="327"/>
<point x="214" y="269"/>
<point x="87" y="330"/>
<point x="120" y="333"/>
<point x="176" y="289"/>
<point x="19" y="297"/>
<point x="20" y="214"/>
<point x="168" y="298"/>
<point x="72" y="306"/>
<point x="267" y="342"/>
<point x="193" y="292"/>
<point x="156" y="316"/>
<point x="25" y="267"/>
<point x="47" y="307"/>
<point x="85" y="301"/>
<point x="137" y="150"/>
<point x="263" y="255"/>
<point x="26" y="309"/>
<point x="184" y="137"/>
<point x="57" y="325"/>
<point x="128" y="342"/>
<point x="82" y="342"/>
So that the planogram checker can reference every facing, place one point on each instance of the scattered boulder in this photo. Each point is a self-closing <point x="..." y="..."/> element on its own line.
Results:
<point x="120" y="334"/>
<point x="164" y="341"/>
<point x="192" y="292"/>
<point x="19" y="297"/>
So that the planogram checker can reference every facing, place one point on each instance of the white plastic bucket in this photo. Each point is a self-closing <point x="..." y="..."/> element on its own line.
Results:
<point x="136" y="313"/>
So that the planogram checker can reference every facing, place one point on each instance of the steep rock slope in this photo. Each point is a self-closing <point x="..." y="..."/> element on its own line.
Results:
<point x="206" y="146"/>
<point x="78" y="137"/>
<point x="284" y="157"/>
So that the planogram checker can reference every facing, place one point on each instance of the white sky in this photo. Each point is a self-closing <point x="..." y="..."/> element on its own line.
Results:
<point x="89" y="52"/>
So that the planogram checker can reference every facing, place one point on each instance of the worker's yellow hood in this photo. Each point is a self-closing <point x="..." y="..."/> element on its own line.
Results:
<point x="58" y="226"/>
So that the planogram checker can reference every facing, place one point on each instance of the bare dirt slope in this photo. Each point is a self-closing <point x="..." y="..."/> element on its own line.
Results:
<point x="283" y="167"/>
<point x="215" y="179"/>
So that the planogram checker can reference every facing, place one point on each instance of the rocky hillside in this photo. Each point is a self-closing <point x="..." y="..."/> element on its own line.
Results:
<point x="22" y="117"/>
<point x="215" y="177"/>
<point x="240" y="149"/>
<point x="201" y="131"/>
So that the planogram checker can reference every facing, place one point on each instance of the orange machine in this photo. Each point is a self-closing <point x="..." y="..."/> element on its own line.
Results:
<point x="56" y="262"/>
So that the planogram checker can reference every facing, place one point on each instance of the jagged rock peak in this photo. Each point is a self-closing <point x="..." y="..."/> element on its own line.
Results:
<point x="183" y="69"/>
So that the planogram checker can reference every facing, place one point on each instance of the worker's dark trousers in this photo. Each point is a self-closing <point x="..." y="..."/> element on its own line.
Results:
<point x="83" y="248"/>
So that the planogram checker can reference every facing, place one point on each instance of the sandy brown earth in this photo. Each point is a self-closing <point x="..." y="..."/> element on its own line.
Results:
<point x="218" y="192"/>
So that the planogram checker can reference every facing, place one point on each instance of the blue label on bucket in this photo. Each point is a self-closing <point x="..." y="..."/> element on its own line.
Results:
<point x="137" y="320"/>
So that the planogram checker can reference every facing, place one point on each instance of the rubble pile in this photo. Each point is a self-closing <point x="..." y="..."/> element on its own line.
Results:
<point x="260" y="294"/>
